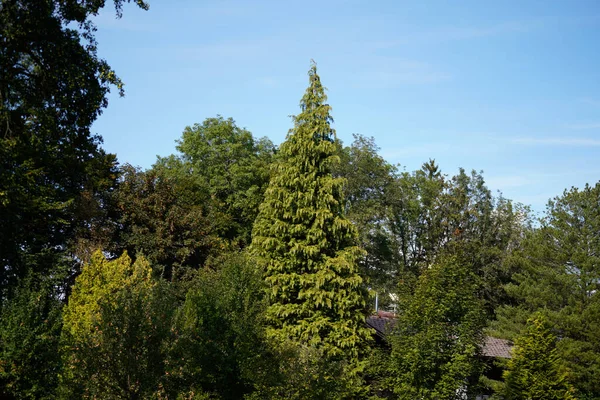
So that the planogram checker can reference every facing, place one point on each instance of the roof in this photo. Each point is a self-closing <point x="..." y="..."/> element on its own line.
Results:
<point x="494" y="347"/>
<point x="383" y="322"/>
<point x="381" y="325"/>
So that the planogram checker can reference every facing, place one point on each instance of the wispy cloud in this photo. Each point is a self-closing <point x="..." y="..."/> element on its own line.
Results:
<point x="225" y="9"/>
<point x="400" y="77"/>
<point x="268" y="81"/>
<point x="508" y="181"/>
<point x="463" y="33"/>
<point x="556" y="141"/>
<point x="385" y="73"/>
<point x="248" y="50"/>
<point x="423" y="151"/>
<point x="590" y="101"/>
<point x="538" y="200"/>
<point x="456" y="33"/>
<point x="578" y="127"/>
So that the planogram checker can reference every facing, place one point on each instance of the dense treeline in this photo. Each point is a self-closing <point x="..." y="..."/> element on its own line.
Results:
<point x="236" y="268"/>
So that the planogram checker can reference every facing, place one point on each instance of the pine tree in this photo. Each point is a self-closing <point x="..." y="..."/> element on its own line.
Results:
<point x="534" y="372"/>
<point x="306" y="244"/>
<point x="557" y="271"/>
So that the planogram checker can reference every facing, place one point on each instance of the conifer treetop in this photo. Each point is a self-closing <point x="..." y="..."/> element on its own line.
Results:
<point x="305" y="243"/>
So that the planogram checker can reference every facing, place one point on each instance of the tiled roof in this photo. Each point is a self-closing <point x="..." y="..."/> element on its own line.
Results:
<point x="381" y="325"/>
<point x="492" y="347"/>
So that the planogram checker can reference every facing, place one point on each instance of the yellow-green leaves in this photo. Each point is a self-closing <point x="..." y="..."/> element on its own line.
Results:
<point x="115" y="327"/>
<point x="100" y="281"/>
<point x="307" y="245"/>
<point x="535" y="371"/>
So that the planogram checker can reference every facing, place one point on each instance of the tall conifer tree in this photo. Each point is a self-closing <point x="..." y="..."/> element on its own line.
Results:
<point x="308" y="247"/>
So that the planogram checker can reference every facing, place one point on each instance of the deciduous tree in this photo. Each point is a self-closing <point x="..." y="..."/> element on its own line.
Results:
<point x="438" y="333"/>
<point x="228" y="164"/>
<point x="114" y="328"/>
<point x="167" y="218"/>
<point x="218" y="345"/>
<point x="53" y="86"/>
<point x="370" y="190"/>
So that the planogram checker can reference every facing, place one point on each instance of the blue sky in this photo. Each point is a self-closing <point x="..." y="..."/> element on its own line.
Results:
<point x="508" y="87"/>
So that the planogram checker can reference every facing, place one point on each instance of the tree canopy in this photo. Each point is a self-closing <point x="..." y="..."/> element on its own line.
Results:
<point x="438" y="335"/>
<point x="53" y="86"/>
<point x="557" y="271"/>
<point x="236" y="269"/>
<point x="535" y="370"/>
<point x="306" y="244"/>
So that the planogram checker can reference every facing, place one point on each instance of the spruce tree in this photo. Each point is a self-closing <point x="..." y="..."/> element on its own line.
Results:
<point x="535" y="372"/>
<point x="307" y="246"/>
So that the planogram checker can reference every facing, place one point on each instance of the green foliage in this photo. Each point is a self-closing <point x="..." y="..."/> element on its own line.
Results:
<point x="167" y="219"/>
<point x="405" y="220"/>
<point x="191" y="207"/>
<point x="486" y="228"/>
<point x="218" y="346"/>
<point x="52" y="87"/>
<point x="378" y="372"/>
<point x="305" y="372"/>
<point x="54" y="177"/>
<point x="193" y="395"/>
<point x="453" y="248"/>
<point x="369" y="192"/>
<point x="30" y="326"/>
<point x="418" y="212"/>
<point x="114" y="327"/>
<point x="431" y="213"/>
<point x="228" y="166"/>
<point x="559" y="272"/>
<point x="436" y="340"/>
<point x="306" y="245"/>
<point x="535" y="371"/>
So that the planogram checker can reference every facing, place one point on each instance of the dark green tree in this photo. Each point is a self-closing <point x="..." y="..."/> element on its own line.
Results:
<point x="435" y="343"/>
<point x="486" y="228"/>
<point x="557" y="271"/>
<point x="54" y="176"/>
<point x="306" y="245"/>
<point x="52" y="88"/>
<point x="416" y="215"/>
<point x="230" y="166"/>
<point x="370" y="190"/>
<point x="219" y="346"/>
<point x="431" y="214"/>
<point x="535" y="372"/>
<point x="167" y="218"/>
<point x="29" y="339"/>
